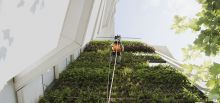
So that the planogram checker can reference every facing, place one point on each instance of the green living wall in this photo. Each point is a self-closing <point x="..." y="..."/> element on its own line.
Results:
<point x="85" y="80"/>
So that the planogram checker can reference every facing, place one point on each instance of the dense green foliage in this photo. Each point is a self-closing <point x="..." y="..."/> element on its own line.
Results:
<point x="128" y="46"/>
<point x="207" y="25"/>
<point x="85" y="81"/>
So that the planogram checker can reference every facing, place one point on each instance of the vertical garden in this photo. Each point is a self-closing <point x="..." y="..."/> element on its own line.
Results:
<point x="85" y="80"/>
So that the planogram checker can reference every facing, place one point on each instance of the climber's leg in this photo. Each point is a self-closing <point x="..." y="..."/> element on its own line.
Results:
<point x="119" y="58"/>
<point x="112" y="58"/>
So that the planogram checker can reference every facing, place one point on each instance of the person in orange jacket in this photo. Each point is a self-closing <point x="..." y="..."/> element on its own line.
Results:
<point x="118" y="48"/>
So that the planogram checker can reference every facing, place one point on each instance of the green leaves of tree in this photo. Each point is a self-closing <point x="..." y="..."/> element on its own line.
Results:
<point x="180" y="24"/>
<point x="211" y="84"/>
<point x="214" y="82"/>
<point x="191" y="53"/>
<point x="207" y="24"/>
<point x="215" y="69"/>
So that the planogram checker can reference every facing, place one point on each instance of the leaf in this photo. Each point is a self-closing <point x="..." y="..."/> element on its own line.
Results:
<point x="201" y="1"/>
<point x="212" y="96"/>
<point x="215" y="69"/>
<point x="180" y="24"/>
<point x="194" y="25"/>
<point x="188" y="68"/>
<point x="211" y="84"/>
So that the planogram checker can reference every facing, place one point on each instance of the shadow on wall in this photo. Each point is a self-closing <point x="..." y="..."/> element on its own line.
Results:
<point x="20" y="4"/>
<point x="6" y="37"/>
<point x="37" y="4"/>
<point x="3" y="51"/>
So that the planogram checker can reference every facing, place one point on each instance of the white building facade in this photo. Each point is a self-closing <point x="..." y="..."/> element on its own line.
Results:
<point x="39" y="38"/>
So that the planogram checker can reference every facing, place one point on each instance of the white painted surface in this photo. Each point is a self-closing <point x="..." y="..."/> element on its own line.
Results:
<point x="106" y="26"/>
<point x="31" y="92"/>
<point x="48" y="77"/>
<point x="72" y="21"/>
<point x="62" y="65"/>
<point x="54" y="58"/>
<point x="84" y="20"/>
<point x="68" y="60"/>
<point x="29" y="29"/>
<point x="92" y="21"/>
<point x="7" y="95"/>
<point x="99" y="19"/>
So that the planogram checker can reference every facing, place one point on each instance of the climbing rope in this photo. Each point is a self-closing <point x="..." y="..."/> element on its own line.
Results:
<point x="109" y="91"/>
<point x="109" y="74"/>
<point x="113" y="74"/>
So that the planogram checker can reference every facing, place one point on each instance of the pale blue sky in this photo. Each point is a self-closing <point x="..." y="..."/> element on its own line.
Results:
<point x="151" y="20"/>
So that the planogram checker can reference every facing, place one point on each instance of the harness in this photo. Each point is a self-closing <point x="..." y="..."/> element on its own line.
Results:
<point x="116" y="47"/>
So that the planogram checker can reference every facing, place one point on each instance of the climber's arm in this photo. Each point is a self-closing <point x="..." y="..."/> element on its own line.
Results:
<point x="111" y="47"/>
<point x="122" y="48"/>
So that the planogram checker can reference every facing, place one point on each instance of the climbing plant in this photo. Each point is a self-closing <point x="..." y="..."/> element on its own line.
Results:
<point x="85" y="80"/>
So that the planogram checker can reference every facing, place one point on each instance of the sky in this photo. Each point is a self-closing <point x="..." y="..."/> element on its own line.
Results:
<point x="151" y="20"/>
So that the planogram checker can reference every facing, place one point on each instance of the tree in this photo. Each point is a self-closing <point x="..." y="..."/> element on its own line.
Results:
<point x="207" y="25"/>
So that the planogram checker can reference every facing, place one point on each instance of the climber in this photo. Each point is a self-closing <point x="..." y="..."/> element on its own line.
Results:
<point x="117" y="47"/>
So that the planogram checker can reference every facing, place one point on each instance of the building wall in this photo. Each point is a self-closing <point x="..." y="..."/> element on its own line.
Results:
<point x="71" y="23"/>
<point x="106" y="27"/>
<point x="48" y="77"/>
<point x="7" y="95"/>
<point x="30" y="93"/>
<point x="57" y="33"/>
<point x="91" y="21"/>
<point x="29" y="29"/>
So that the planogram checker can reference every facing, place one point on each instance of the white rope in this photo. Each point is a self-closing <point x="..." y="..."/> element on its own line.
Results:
<point x="113" y="74"/>
<point x="109" y="74"/>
